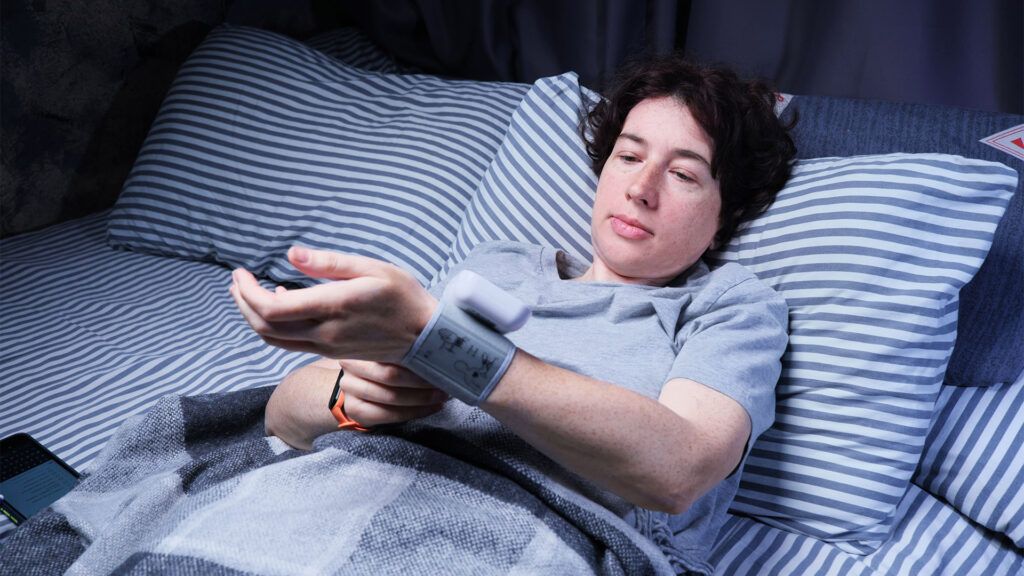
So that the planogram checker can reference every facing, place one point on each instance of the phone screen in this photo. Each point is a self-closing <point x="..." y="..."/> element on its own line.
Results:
<point x="31" y="477"/>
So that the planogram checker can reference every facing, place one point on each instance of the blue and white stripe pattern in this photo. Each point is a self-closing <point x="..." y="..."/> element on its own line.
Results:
<point x="263" y="142"/>
<point x="929" y="537"/>
<point x="870" y="253"/>
<point x="538" y="189"/>
<point x="973" y="458"/>
<point x="92" y="336"/>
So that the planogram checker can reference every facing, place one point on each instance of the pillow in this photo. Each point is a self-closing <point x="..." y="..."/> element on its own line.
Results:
<point x="988" y="348"/>
<point x="539" y="189"/>
<point x="263" y="142"/>
<point x="972" y="456"/>
<point x="870" y="253"/>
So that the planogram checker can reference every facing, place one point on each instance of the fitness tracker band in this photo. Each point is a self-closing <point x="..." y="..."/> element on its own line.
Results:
<point x="337" y="407"/>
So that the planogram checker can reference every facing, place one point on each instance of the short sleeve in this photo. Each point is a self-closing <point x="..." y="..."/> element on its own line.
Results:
<point x="735" y="346"/>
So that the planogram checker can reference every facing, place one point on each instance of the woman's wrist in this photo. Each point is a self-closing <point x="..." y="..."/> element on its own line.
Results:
<point x="296" y="411"/>
<point x="425" y="311"/>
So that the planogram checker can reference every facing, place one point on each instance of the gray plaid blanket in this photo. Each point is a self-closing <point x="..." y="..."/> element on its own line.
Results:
<point x="195" y="487"/>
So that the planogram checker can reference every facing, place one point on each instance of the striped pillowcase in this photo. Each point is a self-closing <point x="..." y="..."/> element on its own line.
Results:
<point x="870" y="253"/>
<point x="930" y="537"/>
<point x="972" y="456"/>
<point x="263" y="142"/>
<point x="539" y="189"/>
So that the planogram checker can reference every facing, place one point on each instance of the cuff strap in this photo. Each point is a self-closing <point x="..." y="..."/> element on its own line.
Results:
<point x="460" y="355"/>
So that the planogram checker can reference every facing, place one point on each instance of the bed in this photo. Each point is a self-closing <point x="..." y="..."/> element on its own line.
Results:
<point x="898" y="244"/>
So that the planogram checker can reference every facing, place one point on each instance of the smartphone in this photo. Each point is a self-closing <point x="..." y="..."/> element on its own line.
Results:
<point x="31" y="477"/>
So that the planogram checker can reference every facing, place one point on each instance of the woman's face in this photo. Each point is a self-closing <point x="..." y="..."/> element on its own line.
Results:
<point x="657" y="206"/>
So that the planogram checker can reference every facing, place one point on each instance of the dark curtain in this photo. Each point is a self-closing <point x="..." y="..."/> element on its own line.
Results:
<point x="80" y="87"/>
<point x="967" y="54"/>
<point x="518" y="40"/>
<point x="951" y="52"/>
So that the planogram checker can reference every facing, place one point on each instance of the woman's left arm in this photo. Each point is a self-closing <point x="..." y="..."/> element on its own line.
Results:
<point x="661" y="455"/>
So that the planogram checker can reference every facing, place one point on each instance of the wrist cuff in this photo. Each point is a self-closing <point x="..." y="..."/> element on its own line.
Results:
<point x="459" y="355"/>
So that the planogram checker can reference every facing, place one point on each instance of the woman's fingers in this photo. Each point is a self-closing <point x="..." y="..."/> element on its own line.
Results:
<point x="315" y="302"/>
<point x="294" y="345"/>
<point x="334" y="265"/>
<point x="375" y="316"/>
<point x="378" y="393"/>
<point x="388" y="374"/>
<point x="390" y="396"/>
<point x="287" y="330"/>
<point x="372" y="414"/>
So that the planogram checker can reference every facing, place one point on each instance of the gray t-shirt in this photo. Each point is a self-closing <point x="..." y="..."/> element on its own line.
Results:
<point x="722" y="328"/>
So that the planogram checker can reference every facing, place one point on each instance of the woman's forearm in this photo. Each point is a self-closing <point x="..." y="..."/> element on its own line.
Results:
<point x="631" y="445"/>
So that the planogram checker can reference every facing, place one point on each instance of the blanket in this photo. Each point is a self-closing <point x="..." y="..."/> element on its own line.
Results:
<point x="194" y="486"/>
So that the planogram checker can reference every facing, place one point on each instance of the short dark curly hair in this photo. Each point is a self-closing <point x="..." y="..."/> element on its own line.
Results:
<point x="752" y="150"/>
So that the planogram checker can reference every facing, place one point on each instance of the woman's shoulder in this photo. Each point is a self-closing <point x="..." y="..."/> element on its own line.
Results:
<point x="504" y="250"/>
<point x="734" y="283"/>
<point x="499" y="257"/>
<point x="504" y="246"/>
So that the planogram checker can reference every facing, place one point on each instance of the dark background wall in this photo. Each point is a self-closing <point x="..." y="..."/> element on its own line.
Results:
<point x="82" y="81"/>
<point x="954" y="52"/>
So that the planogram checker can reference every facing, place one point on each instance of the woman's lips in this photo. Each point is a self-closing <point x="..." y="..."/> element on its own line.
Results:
<point x="629" y="228"/>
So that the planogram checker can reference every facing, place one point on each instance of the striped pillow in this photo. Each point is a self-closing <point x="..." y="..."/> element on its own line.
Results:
<point x="870" y="253"/>
<point x="263" y="142"/>
<point x="972" y="456"/>
<point x="539" y="189"/>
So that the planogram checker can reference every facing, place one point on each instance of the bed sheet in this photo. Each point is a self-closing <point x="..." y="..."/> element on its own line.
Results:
<point x="92" y="336"/>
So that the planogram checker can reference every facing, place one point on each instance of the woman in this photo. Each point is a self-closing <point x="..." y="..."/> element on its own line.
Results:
<point x="669" y="374"/>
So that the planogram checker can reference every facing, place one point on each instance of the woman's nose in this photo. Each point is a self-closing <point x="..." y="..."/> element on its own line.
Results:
<point x="644" y="188"/>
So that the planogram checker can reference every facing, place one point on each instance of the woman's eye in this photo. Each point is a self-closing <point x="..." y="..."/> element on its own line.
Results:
<point x="682" y="177"/>
<point x="628" y="158"/>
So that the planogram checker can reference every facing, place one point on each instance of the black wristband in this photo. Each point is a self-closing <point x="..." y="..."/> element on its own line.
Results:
<point x="336" y="391"/>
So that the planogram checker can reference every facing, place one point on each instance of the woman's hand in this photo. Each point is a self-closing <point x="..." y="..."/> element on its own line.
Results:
<point x="378" y="393"/>
<point x="374" y="394"/>
<point x="376" y="313"/>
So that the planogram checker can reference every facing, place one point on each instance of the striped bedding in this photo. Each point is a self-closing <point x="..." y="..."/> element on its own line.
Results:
<point x="929" y="538"/>
<point x="92" y="336"/>
<point x="263" y="142"/>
